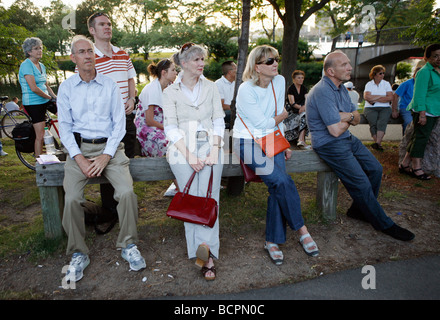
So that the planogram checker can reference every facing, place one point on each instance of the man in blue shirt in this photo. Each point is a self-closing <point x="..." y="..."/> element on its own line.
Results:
<point x="92" y="124"/>
<point x="330" y="113"/>
<point x="405" y="93"/>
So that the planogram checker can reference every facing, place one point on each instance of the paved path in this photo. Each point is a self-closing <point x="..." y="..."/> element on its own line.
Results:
<point x="415" y="279"/>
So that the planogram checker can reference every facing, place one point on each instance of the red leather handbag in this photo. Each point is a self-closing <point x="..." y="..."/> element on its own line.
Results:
<point x="189" y="208"/>
<point x="249" y="174"/>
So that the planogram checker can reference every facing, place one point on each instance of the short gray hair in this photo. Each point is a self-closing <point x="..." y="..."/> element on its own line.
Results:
<point x="188" y="51"/>
<point x="29" y="44"/>
<point x="79" y="38"/>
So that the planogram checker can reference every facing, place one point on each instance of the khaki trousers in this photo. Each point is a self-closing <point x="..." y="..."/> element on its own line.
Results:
<point x="117" y="172"/>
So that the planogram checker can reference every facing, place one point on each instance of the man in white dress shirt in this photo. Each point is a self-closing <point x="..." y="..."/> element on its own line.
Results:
<point x="92" y="124"/>
<point x="226" y="87"/>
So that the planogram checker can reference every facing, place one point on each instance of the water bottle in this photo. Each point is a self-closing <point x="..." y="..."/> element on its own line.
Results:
<point x="48" y="142"/>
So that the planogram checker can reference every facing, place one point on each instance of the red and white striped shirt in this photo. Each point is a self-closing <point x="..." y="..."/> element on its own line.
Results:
<point x="119" y="68"/>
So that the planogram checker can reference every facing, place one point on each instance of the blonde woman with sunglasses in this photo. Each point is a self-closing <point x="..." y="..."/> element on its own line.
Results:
<point x="260" y="111"/>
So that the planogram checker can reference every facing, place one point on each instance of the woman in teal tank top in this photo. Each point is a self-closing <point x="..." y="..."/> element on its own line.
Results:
<point x="35" y="88"/>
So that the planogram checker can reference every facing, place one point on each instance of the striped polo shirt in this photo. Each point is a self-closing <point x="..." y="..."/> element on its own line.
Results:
<point x="119" y="68"/>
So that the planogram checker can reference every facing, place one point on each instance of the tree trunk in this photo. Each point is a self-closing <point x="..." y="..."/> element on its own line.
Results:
<point x="292" y="27"/>
<point x="235" y="185"/>
<point x="243" y="43"/>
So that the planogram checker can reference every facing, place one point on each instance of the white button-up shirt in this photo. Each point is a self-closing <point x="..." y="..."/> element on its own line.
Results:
<point x="93" y="109"/>
<point x="226" y="89"/>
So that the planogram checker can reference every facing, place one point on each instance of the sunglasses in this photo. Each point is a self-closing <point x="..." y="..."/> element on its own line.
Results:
<point x="162" y="63"/>
<point x="186" y="46"/>
<point x="269" y="61"/>
<point x="381" y="73"/>
<point x="98" y="14"/>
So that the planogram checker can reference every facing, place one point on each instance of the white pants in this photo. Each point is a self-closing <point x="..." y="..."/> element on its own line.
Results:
<point x="197" y="234"/>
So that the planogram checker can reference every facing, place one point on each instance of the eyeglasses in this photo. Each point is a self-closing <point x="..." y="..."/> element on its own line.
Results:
<point x="381" y="73"/>
<point x="269" y="61"/>
<point x="186" y="46"/>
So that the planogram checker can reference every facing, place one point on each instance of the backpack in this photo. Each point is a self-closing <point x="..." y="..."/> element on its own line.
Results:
<point x="96" y="215"/>
<point x="24" y="137"/>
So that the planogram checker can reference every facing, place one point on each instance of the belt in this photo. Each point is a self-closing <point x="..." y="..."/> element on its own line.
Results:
<point x="94" y="141"/>
<point x="80" y="139"/>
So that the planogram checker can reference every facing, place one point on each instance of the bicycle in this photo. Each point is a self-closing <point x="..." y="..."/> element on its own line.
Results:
<point x="28" y="159"/>
<point x="11" y="118"/>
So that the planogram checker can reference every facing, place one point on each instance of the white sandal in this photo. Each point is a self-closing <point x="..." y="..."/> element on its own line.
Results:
<point x="307" y="246"/>
<point x="278" y="261"/>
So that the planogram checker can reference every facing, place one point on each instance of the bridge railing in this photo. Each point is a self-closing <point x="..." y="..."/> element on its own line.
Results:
<point x="374" y="37"/>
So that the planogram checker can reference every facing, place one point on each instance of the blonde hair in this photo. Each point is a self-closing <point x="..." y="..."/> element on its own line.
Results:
<point x="257" y="54"/>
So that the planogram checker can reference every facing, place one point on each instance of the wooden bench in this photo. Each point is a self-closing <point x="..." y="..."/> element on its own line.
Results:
<point x="49" y="180"/>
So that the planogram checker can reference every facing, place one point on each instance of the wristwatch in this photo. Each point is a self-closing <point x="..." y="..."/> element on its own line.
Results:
<point x="352" y="117"/>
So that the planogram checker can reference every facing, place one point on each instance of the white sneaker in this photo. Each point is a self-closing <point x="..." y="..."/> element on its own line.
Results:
<point x="2" y="153"/>
<point x="77" y="265"/>
<point x="171" y="191"/>
<point x="134" y="258"/>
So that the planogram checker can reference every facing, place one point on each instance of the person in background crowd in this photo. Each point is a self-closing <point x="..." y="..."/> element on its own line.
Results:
<point x="296" y="124"/>
<point x="378" y="96"/>
<point x="226" y="87"/>
<point x="402" y="97"/>
<point x="12" y="105"/>
<point x="35" y="88"/>
<point x="2" y="152"/>
<point x="425" y="106"/>
<point x="354" y="96"/>
<point x="149" y="114"/>
<point x="116" y="64"/>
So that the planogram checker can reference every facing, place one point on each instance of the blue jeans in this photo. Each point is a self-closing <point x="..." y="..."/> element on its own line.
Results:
<point x="407" y="119"/>
<point x="283" y="204"/>
<point x="361" y="174"/>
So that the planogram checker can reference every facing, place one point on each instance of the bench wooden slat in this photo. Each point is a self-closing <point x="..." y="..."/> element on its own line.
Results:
<point x="155" y="169"/>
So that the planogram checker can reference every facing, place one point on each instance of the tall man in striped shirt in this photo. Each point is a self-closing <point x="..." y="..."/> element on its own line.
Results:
<point x="116" y="64"/>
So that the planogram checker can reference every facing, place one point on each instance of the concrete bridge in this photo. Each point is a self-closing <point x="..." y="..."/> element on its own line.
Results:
<point x="390" y="48"/>
<point x="364" y="58"/>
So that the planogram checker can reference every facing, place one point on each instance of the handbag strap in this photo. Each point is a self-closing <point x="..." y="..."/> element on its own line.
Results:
<point x="190" y="180"/>
<point x="276" y="111"/>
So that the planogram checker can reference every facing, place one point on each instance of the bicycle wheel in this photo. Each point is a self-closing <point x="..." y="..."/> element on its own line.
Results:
<point x="11" y="119"/>
<point x="28" y="159"/>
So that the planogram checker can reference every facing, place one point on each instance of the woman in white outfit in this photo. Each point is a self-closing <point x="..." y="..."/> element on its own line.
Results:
<point x="194" y="125"/>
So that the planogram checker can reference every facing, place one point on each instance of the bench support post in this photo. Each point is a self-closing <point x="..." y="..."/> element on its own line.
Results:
<point x="52" y="203"/>
<point x="327" y="194"/>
